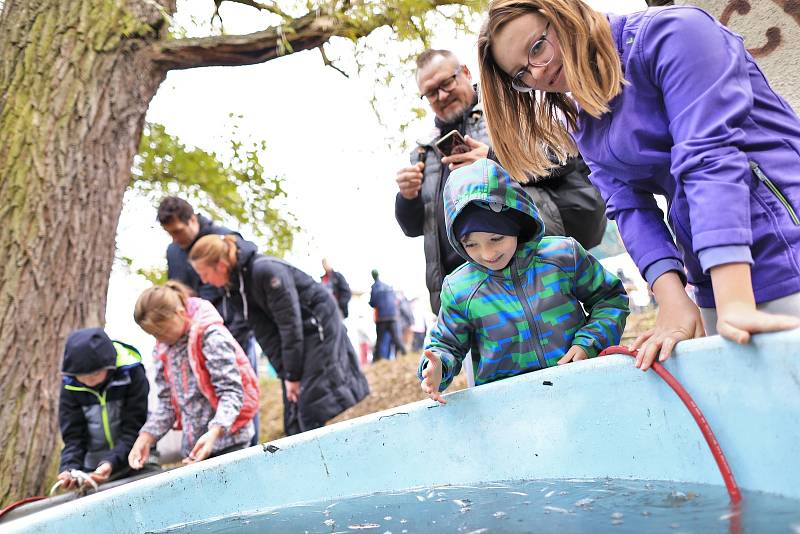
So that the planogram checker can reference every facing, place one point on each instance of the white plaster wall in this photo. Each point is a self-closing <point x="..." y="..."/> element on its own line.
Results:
<point x="753" y="19"/>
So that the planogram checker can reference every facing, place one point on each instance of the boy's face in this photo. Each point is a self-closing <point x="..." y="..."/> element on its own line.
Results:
<point x="92" y="379"/>
<point x="493" y="251"/>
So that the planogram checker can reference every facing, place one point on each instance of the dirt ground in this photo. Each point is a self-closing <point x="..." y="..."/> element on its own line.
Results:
<point x="393" y="383"/>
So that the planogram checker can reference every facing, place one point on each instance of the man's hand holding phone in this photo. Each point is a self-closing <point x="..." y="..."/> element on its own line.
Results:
<point x="468" y="154"/>
<point x="409" y="180"/>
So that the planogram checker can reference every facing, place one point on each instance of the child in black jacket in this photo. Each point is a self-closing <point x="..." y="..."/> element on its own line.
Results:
<point x="102" y="406"/>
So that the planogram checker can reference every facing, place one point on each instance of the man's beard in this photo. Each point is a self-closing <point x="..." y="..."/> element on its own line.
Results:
<point x="455" y="115"/>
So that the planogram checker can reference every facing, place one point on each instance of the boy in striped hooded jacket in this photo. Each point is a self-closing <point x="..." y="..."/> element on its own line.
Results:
<point x="522" y="302"/>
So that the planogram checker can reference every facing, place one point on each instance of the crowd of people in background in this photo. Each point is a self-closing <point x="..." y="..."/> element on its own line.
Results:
<point x="507" y="209"/>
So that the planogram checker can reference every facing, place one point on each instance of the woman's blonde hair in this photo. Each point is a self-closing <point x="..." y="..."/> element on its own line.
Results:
<point x="159" y="304"/>
<point x="526" y="129"/>
<point x="211" y="249"/>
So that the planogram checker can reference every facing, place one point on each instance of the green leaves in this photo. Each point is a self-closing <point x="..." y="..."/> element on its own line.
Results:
<point x="231" y="186"/>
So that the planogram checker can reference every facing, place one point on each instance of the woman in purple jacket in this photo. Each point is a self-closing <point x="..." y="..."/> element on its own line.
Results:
<point x="662" y="102"/>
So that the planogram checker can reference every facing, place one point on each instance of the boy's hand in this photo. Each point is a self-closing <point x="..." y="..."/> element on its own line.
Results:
<point x="140" y="451"/>
<point x="574" y="354"/>
<point x="204" y="445"/>
<point x="432" y="377"/>
<point x="67" y="481"/>
<point x="101" y="474"/>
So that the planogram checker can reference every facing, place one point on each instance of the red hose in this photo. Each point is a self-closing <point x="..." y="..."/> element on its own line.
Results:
<point x="708" y="434"/>
<point x="19" y="503"/>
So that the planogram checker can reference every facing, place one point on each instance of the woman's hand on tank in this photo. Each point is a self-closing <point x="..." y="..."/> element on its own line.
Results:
<point x="678" y="319"/>
<point x="737" y="316"/>
<point x="432" y="377"/>
<point x="738" y="324"/>
<point x="204" y="445"/>
<point x="292" y="390"/>
<point x="140" y="451"/>
<point x="574" y="354"/>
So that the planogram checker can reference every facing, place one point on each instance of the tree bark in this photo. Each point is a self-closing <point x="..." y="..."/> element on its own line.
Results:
<point x="74" y="89"/>
<point x="76" y="78"/>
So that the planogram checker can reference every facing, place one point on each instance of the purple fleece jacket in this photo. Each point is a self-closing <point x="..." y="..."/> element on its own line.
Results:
<point x="700" y="125"/>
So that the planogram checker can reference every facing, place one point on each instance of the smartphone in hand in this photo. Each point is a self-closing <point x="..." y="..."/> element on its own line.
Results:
<point x="452" y="143"/>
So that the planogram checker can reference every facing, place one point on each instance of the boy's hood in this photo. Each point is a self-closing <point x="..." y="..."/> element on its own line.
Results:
<point x="487" y="182"/>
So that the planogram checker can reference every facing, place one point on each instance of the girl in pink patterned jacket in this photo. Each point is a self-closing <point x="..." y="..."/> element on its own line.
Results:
<point x="204" y="381"/>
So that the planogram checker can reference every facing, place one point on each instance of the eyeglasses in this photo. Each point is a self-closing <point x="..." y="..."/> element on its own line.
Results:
<point x="540" y="55"/>
<point x="447" y="85"/>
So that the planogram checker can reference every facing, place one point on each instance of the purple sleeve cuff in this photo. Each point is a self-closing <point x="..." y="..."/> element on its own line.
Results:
<point x="711" y="257"/>
<point x="660" y="267"/>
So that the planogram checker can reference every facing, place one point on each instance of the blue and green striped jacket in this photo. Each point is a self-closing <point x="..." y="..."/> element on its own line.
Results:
<point x="526" y="316"/>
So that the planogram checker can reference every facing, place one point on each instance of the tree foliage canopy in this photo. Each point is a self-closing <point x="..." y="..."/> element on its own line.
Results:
<point x="234" y="185"/>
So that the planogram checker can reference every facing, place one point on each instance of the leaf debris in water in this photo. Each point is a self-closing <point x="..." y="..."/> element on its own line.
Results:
<point x="556" y="509"/>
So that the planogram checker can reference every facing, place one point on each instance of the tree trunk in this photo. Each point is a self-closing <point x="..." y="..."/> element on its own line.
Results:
<point x="75" y="83"/>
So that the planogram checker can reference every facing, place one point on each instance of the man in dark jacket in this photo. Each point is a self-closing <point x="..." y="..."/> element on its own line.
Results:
<point x="384" y="300"/>
<point x="102" y="405"/>
<point x="335" y="282"/>
<point x="567" y="203"/>
<point x="185" y="227"/>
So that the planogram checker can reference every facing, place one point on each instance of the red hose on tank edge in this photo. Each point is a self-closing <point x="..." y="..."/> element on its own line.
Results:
<point x="705" y="428"/>
<point x="19" y="503"/>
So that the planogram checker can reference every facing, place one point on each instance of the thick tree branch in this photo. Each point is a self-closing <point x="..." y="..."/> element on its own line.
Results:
<point x="310" y="31"/>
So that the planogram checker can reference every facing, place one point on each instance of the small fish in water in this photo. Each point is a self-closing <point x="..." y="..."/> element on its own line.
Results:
<point x="499" y="515"/>
<point x="479" y="531"/>
<point x="584" y="502"/>
<point x="387" y="518"/>
<point x="678" y="497"/>
<point x="556" y="509"/>
<point x="617" y="515"/>
<point x="430" y="495"/>
<point x="420" y="498"/>
<point x="363" y="526"/>
<point x="461" y="503"/>
<point x="549" y="494"/>
<point x="518" y="493"/>
<point x="329" y="522"/>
